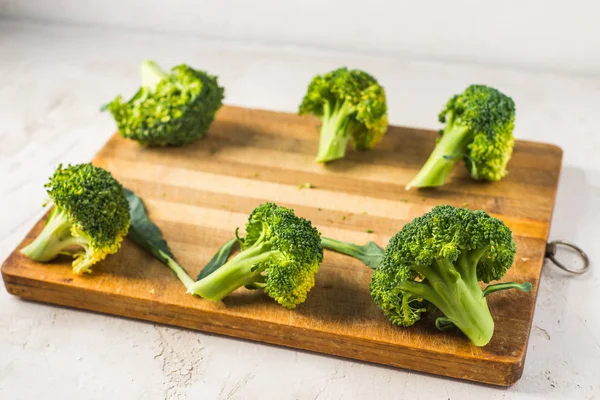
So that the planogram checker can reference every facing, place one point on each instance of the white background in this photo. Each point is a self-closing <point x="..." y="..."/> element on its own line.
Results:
<point x="561" y="35"/>
<point x="57" y="70"/>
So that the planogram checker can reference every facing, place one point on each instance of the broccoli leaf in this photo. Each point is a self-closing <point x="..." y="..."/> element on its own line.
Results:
<point x="146" y="234"/>
<point x="218" y="259"/>
<point x="444" y="324"/>
<point x="143" y="231"/>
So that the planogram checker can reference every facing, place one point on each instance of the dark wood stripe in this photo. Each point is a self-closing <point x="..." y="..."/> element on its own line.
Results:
<point x="403" y="157"/>
<point x="467" y="194"/>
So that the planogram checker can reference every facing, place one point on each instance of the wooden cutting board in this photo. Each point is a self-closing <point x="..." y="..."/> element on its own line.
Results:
<point x="199" y="194"/>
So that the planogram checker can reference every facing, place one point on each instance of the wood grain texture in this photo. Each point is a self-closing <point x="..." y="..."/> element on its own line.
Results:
<point x="200" y="193"/>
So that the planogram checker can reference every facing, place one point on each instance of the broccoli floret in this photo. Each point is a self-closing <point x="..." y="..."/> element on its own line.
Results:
<point x="352" y="108"/>
<point x="479" y="129"/>
<point x="173" y="108"/>
<point x="280" y="254"/>
<point x="436" y="262"/>
<point x="89" y="218"/>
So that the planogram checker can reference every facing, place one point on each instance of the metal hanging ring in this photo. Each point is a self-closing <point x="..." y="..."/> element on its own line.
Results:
<point x="551" y="249"/>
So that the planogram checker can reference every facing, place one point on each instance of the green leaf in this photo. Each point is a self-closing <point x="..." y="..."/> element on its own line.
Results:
<point x="370" y="254"/>
<point x="146" y="234"/>
<point x="143" y="231"/>
<point x="218" y="259"/>
<point x="444" y="324"/>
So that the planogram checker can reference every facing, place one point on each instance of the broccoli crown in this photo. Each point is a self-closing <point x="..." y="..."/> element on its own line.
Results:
<point x="94" y="201"/>
<point x="280" y="254"/>
<point x="489" y="117"/>
<point x="436" y="261"/>
<point x="169" y="109"/>
<point x="89" y="219"/>
<point x="354" y="100"/>
<point x="296" y="252"/>
<point x="446" y="232"/>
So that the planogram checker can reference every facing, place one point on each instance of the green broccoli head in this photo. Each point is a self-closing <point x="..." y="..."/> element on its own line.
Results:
<point x="280" y="254"/>
<point x="437" y="261"/>
<point x="173" y="108"/>
<point x="352" y="107"/>
<point x="479" y="129"/>
<point x="89" y="219"/>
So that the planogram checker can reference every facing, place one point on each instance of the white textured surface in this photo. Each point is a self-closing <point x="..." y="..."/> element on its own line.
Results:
<point x="53" y="82"/>
<point x="549" y="34"/>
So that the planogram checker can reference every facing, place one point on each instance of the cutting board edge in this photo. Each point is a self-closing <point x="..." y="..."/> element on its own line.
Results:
<point x="505" y="372"/>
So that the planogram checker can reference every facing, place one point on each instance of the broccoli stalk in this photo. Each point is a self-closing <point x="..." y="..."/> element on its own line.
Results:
<point x="54" y="239"/>
<point x="352" y="107"/>
<point x="454" y="290"/>
<point x="151" y="74"/>
<point x="335" y="133"/>
<point x="88" y="221"/>
<point x="370" y="254"/>
<point x="437" y="261"/>
<point x="479" y="126"/>
<point x="448" y="150"/>
<point x="497" y="287"/>
<point x="245" y="269"/>
<point x="183" y="277"/>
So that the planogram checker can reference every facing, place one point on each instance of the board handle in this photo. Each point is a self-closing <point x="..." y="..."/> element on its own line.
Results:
<point x="552" y="248"/>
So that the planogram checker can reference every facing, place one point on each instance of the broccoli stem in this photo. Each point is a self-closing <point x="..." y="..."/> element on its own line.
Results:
<point x="178" y="269"/>
<point x="457" y="295"/>
<point x="449" y="149"/>
<point x="370" y="254"/>
<point x="346" y="248"/>
<point x="259" y="283"/>
<point x="54" y="239"/>
<point x="444" y="324"/>
<point x="151" y="74"/>
<point x="241" y="270"/>
<point x="525" y="287"/>
<point x="334" y="136"/>
<point x="468" y="310"/>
